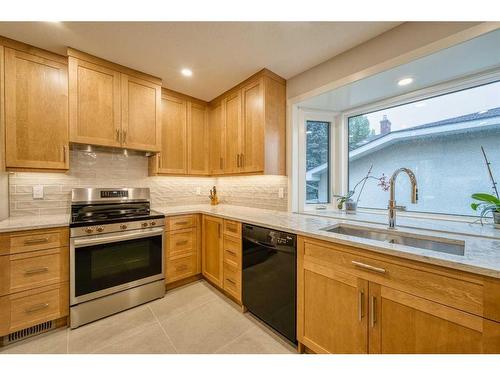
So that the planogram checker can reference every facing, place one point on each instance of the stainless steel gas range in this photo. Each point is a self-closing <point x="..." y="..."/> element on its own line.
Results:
<point x="116" y="252"/>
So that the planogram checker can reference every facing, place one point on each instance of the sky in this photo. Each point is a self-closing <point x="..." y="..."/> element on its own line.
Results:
<point x="439" y="108"/>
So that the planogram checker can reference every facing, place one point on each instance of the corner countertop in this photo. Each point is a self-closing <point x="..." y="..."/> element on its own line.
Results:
<point x="482" y="253"/>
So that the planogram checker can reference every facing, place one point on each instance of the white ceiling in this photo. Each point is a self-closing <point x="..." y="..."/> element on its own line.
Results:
<point x="221" y="54"/>
<point x="476" y="55"/>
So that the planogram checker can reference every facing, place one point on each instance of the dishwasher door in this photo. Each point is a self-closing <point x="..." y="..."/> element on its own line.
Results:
<point x="269" y="278"/>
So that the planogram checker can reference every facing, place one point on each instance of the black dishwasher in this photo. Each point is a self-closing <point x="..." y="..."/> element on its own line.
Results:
<point x="269" y="277"/>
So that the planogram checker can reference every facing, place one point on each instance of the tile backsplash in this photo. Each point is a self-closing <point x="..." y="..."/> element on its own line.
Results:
<point x="115" y="168"/>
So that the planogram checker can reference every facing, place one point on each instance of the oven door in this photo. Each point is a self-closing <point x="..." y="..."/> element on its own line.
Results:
<point x="108" y="263"/>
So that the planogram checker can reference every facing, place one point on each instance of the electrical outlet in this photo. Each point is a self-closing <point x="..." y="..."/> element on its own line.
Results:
<point x="38" y="192"/>
<point x="281" y="193"/>
<point x="198" y="190"/>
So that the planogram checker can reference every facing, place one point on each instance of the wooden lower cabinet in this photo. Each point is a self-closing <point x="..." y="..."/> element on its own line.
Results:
<point x="344" y="309"/>
<point x="212" y="250"/>
<point x="182" y="248"/>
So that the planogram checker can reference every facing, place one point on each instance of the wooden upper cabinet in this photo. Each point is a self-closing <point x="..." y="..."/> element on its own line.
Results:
<point x="216" y="134"/>
<point x="111" y="105"/>
<point x="254" y="124"/>
<point x="95" y="116"/>
<point x="198" y="156"/>
<point x="140" y="114"/>
<point x="36" y="111"/>
<point x="212" y="250"/>
<point x="232" y="122"/>
<point x="252" y="138"/>
<point x="173" y="156"/>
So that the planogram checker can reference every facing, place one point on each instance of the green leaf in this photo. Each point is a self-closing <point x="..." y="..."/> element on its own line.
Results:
<point x="484" y="197"/>
<point x="474" y="206"/>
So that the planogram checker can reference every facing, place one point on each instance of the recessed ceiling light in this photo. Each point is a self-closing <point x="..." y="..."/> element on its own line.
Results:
<point x="405" y="81"/>
<point x="187" y="72"/>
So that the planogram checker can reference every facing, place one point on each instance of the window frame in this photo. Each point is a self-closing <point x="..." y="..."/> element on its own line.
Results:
<point x="305" y="115"/>
<point x="462" y="83"/>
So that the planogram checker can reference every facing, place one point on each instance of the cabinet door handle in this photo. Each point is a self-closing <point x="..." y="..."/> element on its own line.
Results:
<point x="231" y="281"/>
<point x="38" y="307"/>
<point x="238" y="160"/>
<point x="231" y="252"/>
<point x="220" y="229"/>
<point x="221" y="164"/>
<point x="368" y="267"/>
<point x="373" y="311"/>
<point x="36" y="270"/>
<point x="124" y="136"/>
<point x="242" y="160"/>
<point x="361" y="299"/>
<point x="118" y="135"/>
<point x="65" y="154"/>
<point x="180" y="243"/>
<point x="181" y="223"/>
<point x="34" y="241"/>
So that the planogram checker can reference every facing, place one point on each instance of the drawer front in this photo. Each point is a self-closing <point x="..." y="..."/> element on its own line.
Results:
<point x="232" y="228"/>
<point x="442" y="286"/>
<point x="181" y="242"/>
<point x="232" y="281"/>
<point x="36" y="240"/>
<point x="25" y="309"/>
<point x="232" y="251"/>
<point x="35" y="269"/>
<point x="181" y="268"/>
<point x="180" y="222"/>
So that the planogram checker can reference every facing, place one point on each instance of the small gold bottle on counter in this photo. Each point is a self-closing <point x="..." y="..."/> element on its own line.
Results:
<point x="214" y="200"/>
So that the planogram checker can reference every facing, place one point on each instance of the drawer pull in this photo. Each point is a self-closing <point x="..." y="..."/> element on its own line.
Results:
<point x="182" y="223"/>
<point x="36" y="270"/>
<point x="180" y="243"/>
<point x="38" y="307"/>
<point x="33" y="241"/>
<point x="368" y="267"/>
<point x="231" y="252"/>
<point x="231" y="281"/>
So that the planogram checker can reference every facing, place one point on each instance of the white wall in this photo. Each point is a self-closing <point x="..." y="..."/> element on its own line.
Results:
<point x="108" y="168"/>
<point x="4" y="195"/>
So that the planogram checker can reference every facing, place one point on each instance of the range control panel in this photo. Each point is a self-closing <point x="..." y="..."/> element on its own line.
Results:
<point x="114" y="194"/>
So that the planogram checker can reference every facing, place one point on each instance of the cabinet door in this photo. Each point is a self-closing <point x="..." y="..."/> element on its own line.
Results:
<point x="332" y="309"/>
<point x="216" y="139"/>
<point x="212" y="255"/>
<point x="36" y="112"/>
<point x="232" y="120"/>
<point x="197" y="139"/>
<point x="172" y="158"/>
<point x="252" y="147"/>
<point x="94" y="105"/>
<point x="402" y="323"/>
<point x="140" y="114"/>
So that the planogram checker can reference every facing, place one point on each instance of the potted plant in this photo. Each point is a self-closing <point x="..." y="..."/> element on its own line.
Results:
<point x="487" y="203"/>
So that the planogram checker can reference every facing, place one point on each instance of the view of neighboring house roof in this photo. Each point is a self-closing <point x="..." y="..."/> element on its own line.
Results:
<point x="469" y="118"/>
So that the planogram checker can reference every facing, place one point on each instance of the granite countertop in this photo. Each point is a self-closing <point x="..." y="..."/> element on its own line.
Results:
<point x="482" y="245"/>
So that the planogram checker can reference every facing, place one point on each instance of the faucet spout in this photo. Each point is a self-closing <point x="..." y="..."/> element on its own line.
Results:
<point x="392" y="207"/>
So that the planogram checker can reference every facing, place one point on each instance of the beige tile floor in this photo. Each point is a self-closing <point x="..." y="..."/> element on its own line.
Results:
<point x="195" y="318"/>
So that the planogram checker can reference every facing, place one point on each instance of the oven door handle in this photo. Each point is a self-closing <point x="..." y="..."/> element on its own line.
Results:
<point x="116" y="237"/>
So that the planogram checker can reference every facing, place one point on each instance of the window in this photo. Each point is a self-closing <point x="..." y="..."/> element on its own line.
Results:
<point x="317" y="162"/>
<point x="439" y="138"/>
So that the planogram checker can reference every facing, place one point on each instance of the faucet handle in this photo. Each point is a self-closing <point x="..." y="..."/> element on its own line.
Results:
<point x="400" y="208"/>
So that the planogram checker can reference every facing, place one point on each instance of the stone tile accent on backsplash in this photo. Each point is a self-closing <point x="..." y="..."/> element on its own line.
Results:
<point x="115" y="168"/>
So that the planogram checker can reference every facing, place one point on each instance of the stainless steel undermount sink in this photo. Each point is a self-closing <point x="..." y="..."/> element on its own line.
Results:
<point x="442" y="245"/>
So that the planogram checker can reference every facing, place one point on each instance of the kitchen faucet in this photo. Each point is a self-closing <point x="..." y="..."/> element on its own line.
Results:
<point x="392" y="199"/>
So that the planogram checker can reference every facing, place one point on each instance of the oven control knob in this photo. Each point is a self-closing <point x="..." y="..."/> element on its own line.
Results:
<point x="123" y="226"/>
<point x="144" y="225"/>
<point x="153" y="223"/>
<point x="89" y="230"/>
<point x="100" y="228"/>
